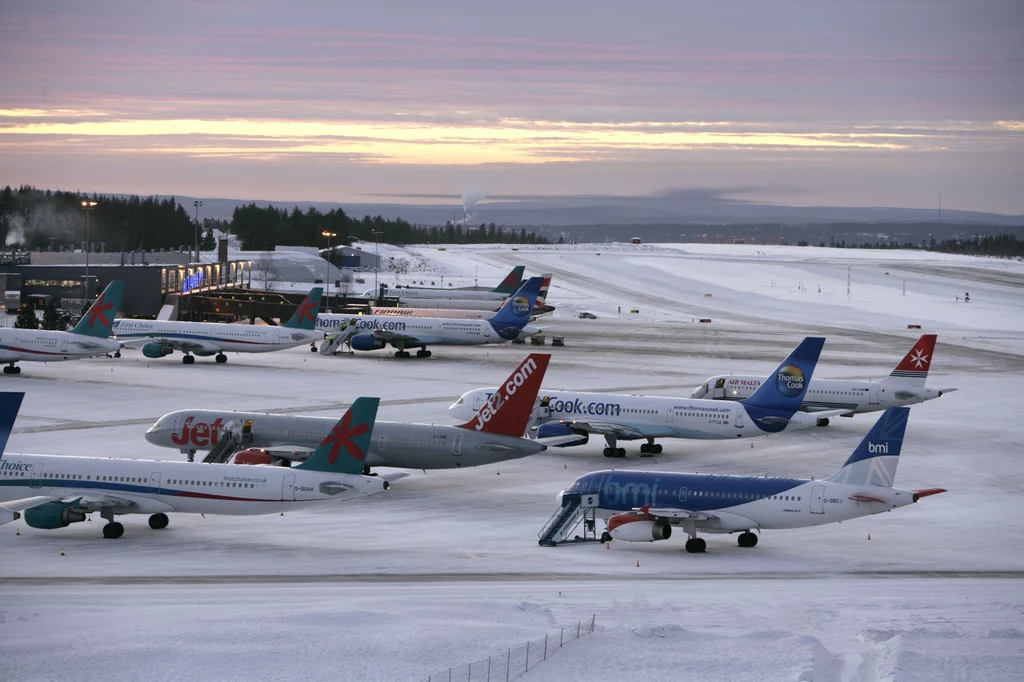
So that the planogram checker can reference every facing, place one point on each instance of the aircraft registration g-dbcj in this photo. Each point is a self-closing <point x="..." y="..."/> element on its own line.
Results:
<point x="904" y="386"/>
<point x="772" y="408"/>
<point x="374" y="332"/>
<point x="493" y="434"/>
<point x="644" y="506"/>
<point x="54" y="491"/>
<point x="162" y="337"/>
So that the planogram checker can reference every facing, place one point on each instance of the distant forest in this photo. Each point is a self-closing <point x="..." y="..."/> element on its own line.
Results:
<point x="40" y="219"/>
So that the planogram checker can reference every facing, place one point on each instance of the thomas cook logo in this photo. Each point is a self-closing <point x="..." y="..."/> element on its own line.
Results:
<point x="790" y="381"/>
<point x="521" y="306"/>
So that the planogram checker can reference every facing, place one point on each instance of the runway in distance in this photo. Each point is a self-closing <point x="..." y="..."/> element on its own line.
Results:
<point x="54" y="491"/>
<point x="644" y="506"/>
<point x="160" y="338"/>
<point x="771" y="409"/>
<point x="493" y="434"/>
<point x="88" y="338"/>
<point x="905" y="385"/>
<point x="374" y="332"/>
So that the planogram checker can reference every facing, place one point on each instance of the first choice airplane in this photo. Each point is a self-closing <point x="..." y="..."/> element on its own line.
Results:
<point x="374" y="332"/>
<point x="903" y="386"/>
<point x="54" y="491"/>
<point x="90" y="337"/>
<point x="644" y="506"/>
<point x="772" y="408"/>
<point x="493" y="434"/>
<point x="508" y="286"/>
<point x="162" y="337"/>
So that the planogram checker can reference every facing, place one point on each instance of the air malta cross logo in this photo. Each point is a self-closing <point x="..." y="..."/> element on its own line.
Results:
<point x="306" y="309"/>
<point x="98" y="312"/>
<point x="341" y="436"/>
<point x="919" y="359"/>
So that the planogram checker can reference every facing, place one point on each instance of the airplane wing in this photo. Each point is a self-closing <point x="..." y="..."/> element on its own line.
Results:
<point x="620" y="431"/>
<point x="21" y="505"/>
<point x="190" y="345"/>
<point x="679" y="514"/>
<point x="404" y="339"/>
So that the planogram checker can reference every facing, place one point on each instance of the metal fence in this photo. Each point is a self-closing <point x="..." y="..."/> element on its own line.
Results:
<point x="515" y="662"/>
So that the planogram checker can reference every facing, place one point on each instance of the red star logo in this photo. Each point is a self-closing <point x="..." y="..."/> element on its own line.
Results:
<point x="306" y="309"/>
<point x="98" y="312"/>
<point x="341" y="436"/>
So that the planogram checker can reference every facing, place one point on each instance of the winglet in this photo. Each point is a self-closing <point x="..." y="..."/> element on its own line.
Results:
<point x="344" y="449"/>
<point x="513" y="280"/>
<point x="913" y="369"/>
<point x="304" y="316"/>
<point x="99" y="318"/>
<point x="10" y="403"/>
<point x="507" y="412"/>
<point x="874" y="461"/>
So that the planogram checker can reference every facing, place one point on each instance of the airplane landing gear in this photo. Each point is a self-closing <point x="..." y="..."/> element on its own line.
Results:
<point x="158" y="521"/>
<point x="423" y="353"/>
<point x="221" y="358"/>
<point x="188" y="360"/>
<point x="113" y="530"/>
<point x="312" y="348"/>
<point x="696" y="545"/>
<point x="747" y="539"/>
<point x="117" y="353"/>
<point x="650" y="448"/>
<point x="12" y="369"/>
<point x="402" y="354"/>
<point x="612" y="450"/>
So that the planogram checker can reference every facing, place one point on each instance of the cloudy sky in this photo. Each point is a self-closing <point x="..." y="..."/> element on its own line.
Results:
<point x="801" y="103"/>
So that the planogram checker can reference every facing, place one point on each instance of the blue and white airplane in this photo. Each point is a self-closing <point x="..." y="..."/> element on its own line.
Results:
<point x="644" y="506"/>
<point x="771" y="409"/>
<point x="54" y="491"/>
<point x="374" y="332"/>
<point x="162" y="337"/>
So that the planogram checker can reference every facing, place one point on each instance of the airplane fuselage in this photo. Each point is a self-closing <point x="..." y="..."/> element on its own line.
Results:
<point x="854" y="395"/>
<point x="426" y="330"/>
<point x="211" y="337"/>
<point x="40" y="345"/>
<point x="394" y="444"/>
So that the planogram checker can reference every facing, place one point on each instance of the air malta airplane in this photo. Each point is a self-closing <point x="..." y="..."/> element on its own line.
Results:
<point x="493" y="434"/>
<point x="772" y="408"/>
<point x="644" y="506"/>
<point x="903" y="386"/>
<point x="53" y="491"/>
<point x="374" y="332"/>
<point x="89" y="337"/>
<point x="470" y="310"/>
<point x="159" y="338"/>
<point x="512" y="282"/>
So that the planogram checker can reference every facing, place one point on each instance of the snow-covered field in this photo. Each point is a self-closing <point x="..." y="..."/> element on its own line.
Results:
<point x="445" y="569"/>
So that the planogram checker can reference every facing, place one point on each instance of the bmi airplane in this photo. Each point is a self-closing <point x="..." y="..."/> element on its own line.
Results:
<point x="643" y="506"/>
<point x="162" y="337"/>
<point x="88" y="338"/>
<point x="903" y="386"/>
<point x="494" y="434"/>
<point x="772" y="408"/>
<point x="55" y="491"/>
<point x="373" y="332"/>
<point x="512" y="282"/>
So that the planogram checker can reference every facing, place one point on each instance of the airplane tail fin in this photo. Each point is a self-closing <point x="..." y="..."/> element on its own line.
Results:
<point x="514" y="314"/>
<point x="344" y="449"/>
<point x="507" y="412"/>
<point x="913" y="368"/>
<point x="304" y="316"/>
<point x="542" y="297"/>
<point x="513" y="280"/>
<point x="10" y="403"/>
<point x="780" y="395"/>
<point x="874" y="461"/>
<point x="99" y="318"/>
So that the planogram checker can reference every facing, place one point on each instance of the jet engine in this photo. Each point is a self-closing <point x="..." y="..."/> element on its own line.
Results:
<point x="556" y="430"/>
<point x="366" y="342"/>
<point x="632" y="528"/>
<point x="156" y="350"/>
<point x="52" y="515"/>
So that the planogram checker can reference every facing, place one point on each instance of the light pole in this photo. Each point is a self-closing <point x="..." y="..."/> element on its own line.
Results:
<point x="197" y="204"/>
<point x="376" y="265"/>
<point x="328" y="234"/>
<point x="87" y="205"/>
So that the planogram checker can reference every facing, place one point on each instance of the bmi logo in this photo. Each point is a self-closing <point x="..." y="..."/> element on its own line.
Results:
<point x="790" y="381"/>
<point x="521" y="306"/>
<point x="878" y="448"/>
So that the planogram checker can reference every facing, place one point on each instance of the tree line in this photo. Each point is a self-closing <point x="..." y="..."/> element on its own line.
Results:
<point x="999" y="246"/>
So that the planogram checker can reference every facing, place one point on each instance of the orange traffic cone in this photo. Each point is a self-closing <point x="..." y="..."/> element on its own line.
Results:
<point x="869" y="536"/>
<point x="638" y="563"/>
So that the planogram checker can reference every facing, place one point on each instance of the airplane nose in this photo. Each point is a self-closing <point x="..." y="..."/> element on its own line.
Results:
<point x="153" y="433"/>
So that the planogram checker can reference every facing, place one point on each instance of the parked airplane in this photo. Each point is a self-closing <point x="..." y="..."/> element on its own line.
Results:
<point x="493" y="434"/>
<point x="904" y="386"/>
<point x="643" y="506"/>
<point x="512" y="282"/>
<point x="160" y="338"/>
<point x="373" y="332"/>
<point x="772" y="408"/>
<point x="88" y="338"/>
<point x="470" y="310"/>
<point x="54" y="491"/>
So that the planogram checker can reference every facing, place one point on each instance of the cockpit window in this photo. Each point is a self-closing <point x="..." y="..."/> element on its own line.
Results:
<point x="700" y="391"/>
<point x="573" y="488"/>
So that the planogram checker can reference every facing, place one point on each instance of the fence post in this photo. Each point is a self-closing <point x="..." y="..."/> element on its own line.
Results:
<point x="545" y="646"/>
<point x="488" y="669"/>
<point x="508" y="664"/>
<point x="449" y="675"/>
<point x="578" y="629"/>
<point x="593" y="618"/>
<point x="469" y="673"/>
<point x="527" y="654"/>
<point x="561" y="637"/>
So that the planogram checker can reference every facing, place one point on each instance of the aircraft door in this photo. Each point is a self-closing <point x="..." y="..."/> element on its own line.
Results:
<point x="64" y="346"/>
<point x="479" y="401"/>
<point x="817" y="499"/>
<point x="737" y="419"/>
<point x="288" y="487"/>
<point x="37" y="475"/>
<point x="381" y="442"/>
<point x="669" y="413"/>
<point x="873" y="396"/>
<point x="154" y="482"/>
<point x="457" y="445"/>
<point x="719" y="392"/>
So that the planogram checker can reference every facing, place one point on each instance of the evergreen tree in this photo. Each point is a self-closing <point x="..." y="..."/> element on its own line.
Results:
<point x="26" y="318"/>
<point x="209" y="243"/>
<point x="52" y="319"/>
